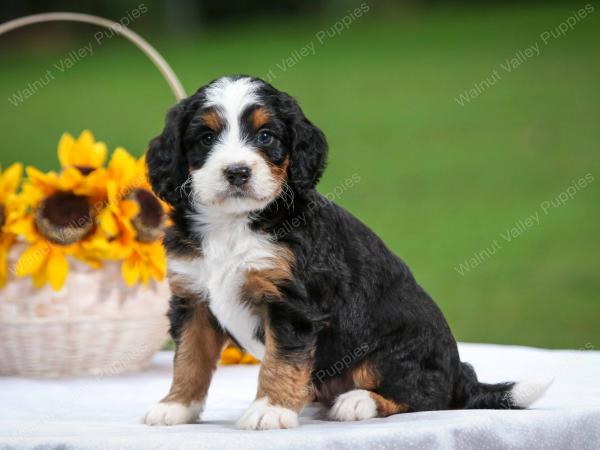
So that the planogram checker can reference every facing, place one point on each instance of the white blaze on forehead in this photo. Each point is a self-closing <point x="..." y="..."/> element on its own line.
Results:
<point x="232" y="96"/>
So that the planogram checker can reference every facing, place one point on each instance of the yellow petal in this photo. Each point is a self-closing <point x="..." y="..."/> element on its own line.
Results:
<point x="47" y="182"/>
<point x="94" y="185"/>
<point x="86" y="138"/>
<point x="3" y="274"/>
<point x="9" y="180"/>
<point x="30" y="196"/>
<point x="57" y="269"/>
<point x="4" y="247"/>
<point x="158" y="261"/>
<point x="65" y="150"/>
<point x="32" y="259"/>
<point x="81" y="152"/>
<point x="247" y="358"/>
<point x="39" y="278"/>
<point x="157" y="273"/>
<point x="122" y="166"/>
<point x="89" y="152"/>
<point x="69" y="179"/>
<point x="144" y="274"/>
<point x="108" y="223"/>
<point x="24" y="227"/>
<point x="99" y="153"/>
<point x="112" y="193"/>
<point x="231" y="355"/>
<point x="130" y="271"/>
<point x="129" y="208"/>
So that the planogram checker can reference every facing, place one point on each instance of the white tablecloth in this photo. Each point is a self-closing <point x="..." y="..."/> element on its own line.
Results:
<point x="104" y="413"/>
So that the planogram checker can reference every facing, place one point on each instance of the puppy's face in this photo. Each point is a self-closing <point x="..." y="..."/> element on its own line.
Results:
<point x="236" y="148"/>
<point x="236" y="145"/>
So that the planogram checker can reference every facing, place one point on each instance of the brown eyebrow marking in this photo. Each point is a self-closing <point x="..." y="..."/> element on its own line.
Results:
<point x="260" y="116"/>
<point x="212" y="120"/>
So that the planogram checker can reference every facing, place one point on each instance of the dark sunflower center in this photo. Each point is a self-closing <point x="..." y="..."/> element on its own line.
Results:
<point x="149" y="221"/>
<point x="64" y="218"/>
<point x="85" y="170"/>
<point x="2" y="216"/>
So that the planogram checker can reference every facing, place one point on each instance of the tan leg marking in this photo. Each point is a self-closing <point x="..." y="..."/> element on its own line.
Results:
<point x="196" y="358"/>
<point x="284" y="383"/>
<point x="365" y="377"/>
<point x="387" y="407"/>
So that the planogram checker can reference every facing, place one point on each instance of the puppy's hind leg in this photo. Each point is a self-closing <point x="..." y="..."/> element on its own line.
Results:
<point x="360" y="404"/>
<point x="370" y="398"/>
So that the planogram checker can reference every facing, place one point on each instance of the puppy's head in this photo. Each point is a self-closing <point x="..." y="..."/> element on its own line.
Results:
<point x="235" y="145"/>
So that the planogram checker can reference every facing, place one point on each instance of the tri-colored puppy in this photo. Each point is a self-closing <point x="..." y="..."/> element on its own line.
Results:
<point x="258" y="256"/>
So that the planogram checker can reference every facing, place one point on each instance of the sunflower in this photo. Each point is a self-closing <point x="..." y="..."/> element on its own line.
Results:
<point x="58" y="211"/>
<point x="145" y="261"/>
<point x="83" y="153"/>
<point x="9" y="183"/>
<point x="54" y="221"/>
<point x="91" y="213"/>
<point x="133" y="220"/>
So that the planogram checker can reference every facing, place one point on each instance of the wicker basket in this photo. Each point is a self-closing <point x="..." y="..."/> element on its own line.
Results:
<point x="95" y="325"/>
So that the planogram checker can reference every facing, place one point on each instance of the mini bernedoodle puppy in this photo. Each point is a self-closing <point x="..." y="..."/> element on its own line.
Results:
<point x="258" y="256"/>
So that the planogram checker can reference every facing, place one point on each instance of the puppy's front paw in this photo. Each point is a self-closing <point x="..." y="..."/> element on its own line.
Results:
<point x="263" y="416"/>
<point x="172" y="413"/>
<point x="354" y="405"/>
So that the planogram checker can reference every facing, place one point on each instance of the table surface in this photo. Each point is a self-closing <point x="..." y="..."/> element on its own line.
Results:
<point x="104" y="413"/>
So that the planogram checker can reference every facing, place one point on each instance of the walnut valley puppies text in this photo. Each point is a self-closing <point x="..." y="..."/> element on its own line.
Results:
<point x="524" y="224"/>
<point x="523" y="55"/>
<point x="321" y="37"/>
<point x="73" y="57"/>
<point x="335" y="194"/>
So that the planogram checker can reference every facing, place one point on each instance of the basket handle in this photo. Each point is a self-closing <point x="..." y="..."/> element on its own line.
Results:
<point x="141" y="43"/>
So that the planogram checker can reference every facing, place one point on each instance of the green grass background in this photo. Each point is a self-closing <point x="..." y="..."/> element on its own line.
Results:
<point x="438" y="181"/>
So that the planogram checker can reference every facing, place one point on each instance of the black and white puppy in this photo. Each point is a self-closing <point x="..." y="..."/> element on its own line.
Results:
<point x="258" y="256"/>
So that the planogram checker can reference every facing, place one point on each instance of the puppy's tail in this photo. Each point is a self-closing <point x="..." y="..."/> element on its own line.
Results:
<point x="471" y="394"/>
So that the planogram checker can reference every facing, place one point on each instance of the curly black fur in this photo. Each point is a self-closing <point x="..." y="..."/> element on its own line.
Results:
<point x="349" y="290"/>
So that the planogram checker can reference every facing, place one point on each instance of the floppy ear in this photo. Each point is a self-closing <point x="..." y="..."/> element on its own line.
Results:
<point x="308" y="149"/>
<point x="167" y="164"/>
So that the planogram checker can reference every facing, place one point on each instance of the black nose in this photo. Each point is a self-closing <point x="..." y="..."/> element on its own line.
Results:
<point x="237" y="174"/>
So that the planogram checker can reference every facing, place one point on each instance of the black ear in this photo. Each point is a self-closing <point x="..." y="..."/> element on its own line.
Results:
<point x="167" y="164"/>
<point x="308" y="148"/>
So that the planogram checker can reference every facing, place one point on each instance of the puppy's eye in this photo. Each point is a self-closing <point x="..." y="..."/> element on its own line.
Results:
<point x="264" y="137"/>
<point x="208" y="138"/>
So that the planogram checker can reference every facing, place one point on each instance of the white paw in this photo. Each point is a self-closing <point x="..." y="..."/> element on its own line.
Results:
<point x="354" y="405"/>
<point x="263" y="416"/>
<point x="172" y="413"/>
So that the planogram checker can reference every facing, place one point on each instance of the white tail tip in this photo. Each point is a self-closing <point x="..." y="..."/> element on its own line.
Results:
<point x="525" y="393"/>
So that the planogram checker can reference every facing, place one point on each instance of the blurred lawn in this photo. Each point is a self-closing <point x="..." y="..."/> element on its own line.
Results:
<point x="439" y="182"/>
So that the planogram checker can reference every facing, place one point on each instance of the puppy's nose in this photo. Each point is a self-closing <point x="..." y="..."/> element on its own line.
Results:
<point x="237" y="174"/>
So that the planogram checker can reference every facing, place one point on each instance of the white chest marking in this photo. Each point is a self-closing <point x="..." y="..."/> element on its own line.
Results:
<point x="229" y="249"/>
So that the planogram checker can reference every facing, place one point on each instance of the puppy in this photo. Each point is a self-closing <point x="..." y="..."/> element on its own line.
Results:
<point x="258" y="256"/>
